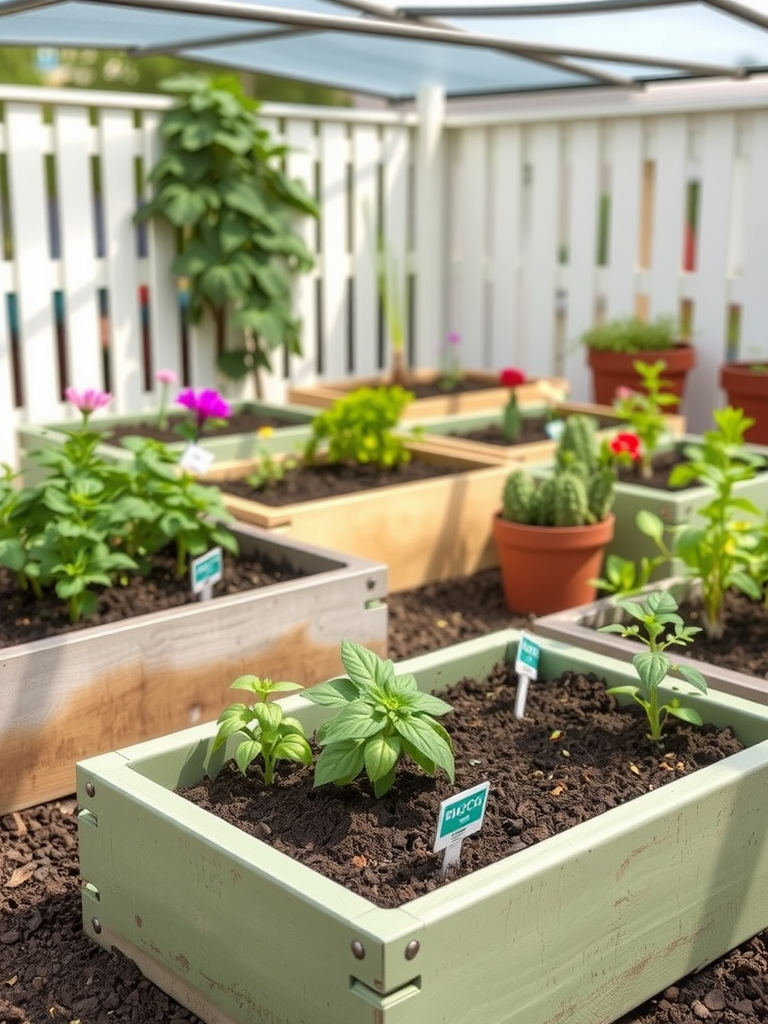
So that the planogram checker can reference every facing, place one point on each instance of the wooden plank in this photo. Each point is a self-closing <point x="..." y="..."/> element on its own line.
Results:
<point x="300" y="164"/>
<point x="365" y="293"/>
<point x="118" y="154"/>
<point x="624" y="232"/>
<point x="469" y="204"/>
<point x="753" y="340"/>
<point x="541" y="261"/>
<point x="504" y="250"/>
<point x="710" y="279"/>
<point x="29" y="204"/>
<point x="8" y="415"/>
<point x="583" y="222"/>
<point x="76" y="209"/>
<point x="333" y="248"/>
<point x="668" y="218"/>
<point x="395" y="149"/>
<point x="429" y="199"/>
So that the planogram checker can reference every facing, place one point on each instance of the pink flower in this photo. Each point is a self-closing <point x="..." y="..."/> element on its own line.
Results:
<point x="622" y="392"/>
<point x="89" y="400"/>
<point x="454" y="338"/>
<point x="166" y="377"/>
<point x="626" y="444"/>
<point x="205" y="404"/>
<point x="510" y="378"/>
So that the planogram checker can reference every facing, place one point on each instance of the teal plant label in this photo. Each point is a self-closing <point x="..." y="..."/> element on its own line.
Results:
<point x="527" y="661"/>
<point x="461" y="815"/>
<point x="206" y="570"/>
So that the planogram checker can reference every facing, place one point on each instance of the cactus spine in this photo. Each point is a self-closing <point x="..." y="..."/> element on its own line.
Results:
<point x="578" y="492"/>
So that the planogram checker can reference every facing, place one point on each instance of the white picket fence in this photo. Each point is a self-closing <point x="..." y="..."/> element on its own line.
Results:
<point x="495" y="217"/>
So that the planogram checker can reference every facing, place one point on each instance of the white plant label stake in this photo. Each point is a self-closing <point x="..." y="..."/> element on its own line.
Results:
<point x="460" y="816"/>
<point x="204" y="571"/>
<point x="195" y="459"/>
<point x="527" y="669"/>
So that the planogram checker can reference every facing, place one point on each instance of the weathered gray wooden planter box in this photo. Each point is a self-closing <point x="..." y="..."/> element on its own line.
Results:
<point x="579" y="928"/>
<point x="288" y="438"/>
<point x="89" y="691"/>
<point x="580" y="627"/>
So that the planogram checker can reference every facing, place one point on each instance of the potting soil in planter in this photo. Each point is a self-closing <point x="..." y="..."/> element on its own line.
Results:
<point x="532" y="429"/>
<point x="239" y="422"/>
<point x="23" y="619"/>
<point x="574" y="755"/>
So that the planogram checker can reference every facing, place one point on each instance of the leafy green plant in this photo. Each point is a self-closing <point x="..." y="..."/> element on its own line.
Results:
<point x="723" y="551"/>
<point x="658" y="626"/>
<point x="624" y="577"/>
<point x="630" y="334"/>
<point x="220" y="182"/>
<point x="644" y="409"/>
<point x="90" y="521"/>
<point x="263" y="729"/>
<point x="579" y="490"/>
<point x="380" y="717"/>
<point x="450" y="363"/>
<point x="270" y="468"/>
<point x="359" y="429"/>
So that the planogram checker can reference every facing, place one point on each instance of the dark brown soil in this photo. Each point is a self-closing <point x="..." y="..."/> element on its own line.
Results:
<point x="243" y="422"/>
<point x="49" y="971"/>
<point x="539" y="786"/>
<point x="532" y="429"/>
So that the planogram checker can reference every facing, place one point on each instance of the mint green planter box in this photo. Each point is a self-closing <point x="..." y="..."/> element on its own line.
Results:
<point x="289" y="438"/>
<point x="579" y="928"/>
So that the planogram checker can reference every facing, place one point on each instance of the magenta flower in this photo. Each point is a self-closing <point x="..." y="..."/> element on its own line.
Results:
<point x="89" y="400"/>
<point x="454" y="338"/>
<point x="206" y="404"/>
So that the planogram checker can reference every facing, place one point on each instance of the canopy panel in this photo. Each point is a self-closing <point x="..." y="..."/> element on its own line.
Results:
<point x="375" y="47"/>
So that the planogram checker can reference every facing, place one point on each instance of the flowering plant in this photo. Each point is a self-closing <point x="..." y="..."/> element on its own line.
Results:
<point x="643" y="410"/>
<point x="208" y="409"/>
<point x="164" y="378"/>
<point x="626" y="447"/>
<point x="451" y="362"/>
<point x="512" y="423"/>
<point x="91" y="520"/>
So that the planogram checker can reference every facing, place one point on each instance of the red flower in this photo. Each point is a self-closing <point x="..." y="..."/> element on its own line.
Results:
<point x="628" y="444"/>
<point x="511" y="377"/>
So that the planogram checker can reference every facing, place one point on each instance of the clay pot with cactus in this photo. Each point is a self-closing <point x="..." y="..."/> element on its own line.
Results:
<point x="551" y="530"/>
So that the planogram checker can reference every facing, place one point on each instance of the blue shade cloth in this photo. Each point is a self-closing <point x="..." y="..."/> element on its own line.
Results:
<point x="616" y="37"/>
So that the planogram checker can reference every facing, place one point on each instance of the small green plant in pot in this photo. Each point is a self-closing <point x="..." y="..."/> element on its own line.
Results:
<point x="644" y="410"/>
<point x="551" y="530"/>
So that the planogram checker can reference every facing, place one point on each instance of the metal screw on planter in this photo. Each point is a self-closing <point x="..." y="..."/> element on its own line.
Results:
<point x="412" y="949"/>
<point x="90" y="789"/>
<point x="460" y="816"/>
<point x="96" y="925"/>
<point x="358" y="950"/>
<point x="527" y="669"/>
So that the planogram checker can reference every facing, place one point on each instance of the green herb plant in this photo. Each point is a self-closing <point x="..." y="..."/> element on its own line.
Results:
<point x="220" y="182"/>
<point x="659" y="626"/>
<point x="360" y="429"/>
<point x="722" y="552"/>
<point x="644" y="409"/>
<point x="630" y="334"/>
<point x="380" y="718"/>
<point x="264" y="731"/>
<point x="450" y="359"/>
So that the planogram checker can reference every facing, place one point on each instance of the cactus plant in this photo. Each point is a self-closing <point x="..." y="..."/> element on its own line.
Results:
<point x="579" y="490"/>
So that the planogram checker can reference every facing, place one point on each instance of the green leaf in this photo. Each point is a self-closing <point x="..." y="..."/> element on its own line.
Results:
<point x="428" y="738"/>
<point x="627" y="689"/>
<point x="356" y="720"/>
<point x="426" y="703"/>
<point x="652" y="667"/>
<point x="335" y="693"/>
<point x="650" y="524"/>
<point x="381" y="755"/>
<point x="343" y="760"/>
<point x="692" y="676"/>
<point x="685" y="713"/>
<point x="384" y="784"/>
<point x="247" y="752"/>
<point x="363" y="666"/>
<point x="268" y="716"/>
<point x="293" y="747"/>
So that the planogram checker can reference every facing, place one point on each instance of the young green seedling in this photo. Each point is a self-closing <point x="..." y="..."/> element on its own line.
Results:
<point x="658" y="626"/>
<point x="380" y="717"/>
<point x="263" y="728"/>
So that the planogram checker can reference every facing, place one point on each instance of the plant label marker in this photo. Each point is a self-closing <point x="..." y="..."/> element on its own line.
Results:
<point x="460" y="816"/>
<point x="527" y="669"/>
<point x="205" y="571"/>
<point x="196" y="459"/>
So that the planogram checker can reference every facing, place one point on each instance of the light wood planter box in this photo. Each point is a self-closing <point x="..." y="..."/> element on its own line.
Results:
<point x="580" y="626"/>
<point x="493" y="396"/>
<point x="88" y="691"/>
<point x="579" y="928"/>
<point x="423" y="530"/>
<point x="288" y="438"/>
<point x="447" y="432"/>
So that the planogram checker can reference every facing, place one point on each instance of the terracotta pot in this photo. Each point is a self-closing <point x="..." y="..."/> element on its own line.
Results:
<point x="548" y="568"/>
<point x="747" y="389"/>
<point x="611" y="370"/>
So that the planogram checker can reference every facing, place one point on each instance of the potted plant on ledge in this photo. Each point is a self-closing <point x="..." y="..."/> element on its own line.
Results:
<point x="613" y="348"/>
<point x="551" y="532"/>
